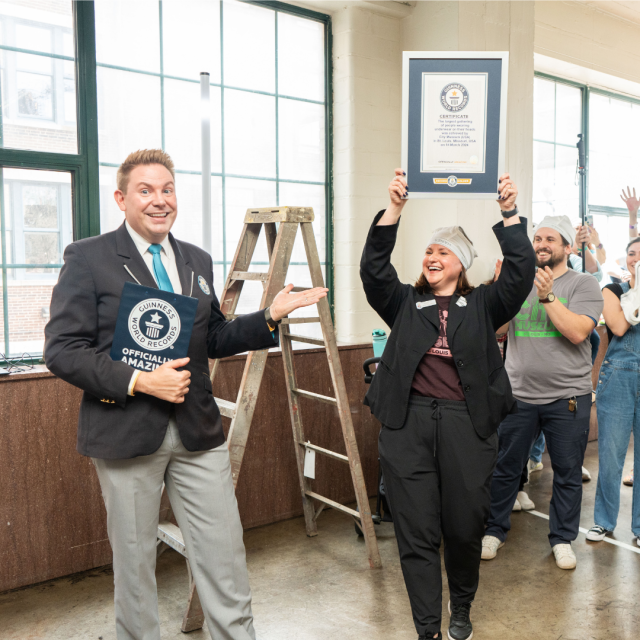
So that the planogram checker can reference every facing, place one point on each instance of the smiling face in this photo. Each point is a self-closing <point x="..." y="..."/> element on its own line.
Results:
<point x="150" y="203"/>
<point x="550" y="248"/>
<point x="441" y="268"/>
<point x="633" y="256"/>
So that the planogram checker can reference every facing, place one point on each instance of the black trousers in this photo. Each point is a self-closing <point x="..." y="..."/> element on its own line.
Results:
<point x="566" y="433"/>
<point x="438" y="472"/>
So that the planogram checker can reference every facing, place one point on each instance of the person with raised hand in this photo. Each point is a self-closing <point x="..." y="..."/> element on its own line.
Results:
<point x="440" y="392"/>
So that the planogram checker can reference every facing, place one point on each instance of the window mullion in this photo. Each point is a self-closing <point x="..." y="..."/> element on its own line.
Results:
<point x="222" y="158"/>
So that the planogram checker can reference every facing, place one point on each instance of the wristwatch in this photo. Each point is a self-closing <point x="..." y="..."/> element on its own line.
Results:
<point x="510" y="214"/>
<point x="550" y="298"/>
<point x="271" y="323"/>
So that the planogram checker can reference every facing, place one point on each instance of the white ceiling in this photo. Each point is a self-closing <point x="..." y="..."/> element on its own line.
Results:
<point x="626" y="9"/>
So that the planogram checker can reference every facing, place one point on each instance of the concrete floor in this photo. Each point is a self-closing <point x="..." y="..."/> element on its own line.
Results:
<point x="321" y="588"/>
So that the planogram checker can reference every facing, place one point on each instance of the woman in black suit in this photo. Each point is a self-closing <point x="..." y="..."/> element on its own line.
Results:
<point x="440" y="392"/>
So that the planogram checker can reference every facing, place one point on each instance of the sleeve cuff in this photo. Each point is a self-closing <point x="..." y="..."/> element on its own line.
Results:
<point x="132" y="382"/>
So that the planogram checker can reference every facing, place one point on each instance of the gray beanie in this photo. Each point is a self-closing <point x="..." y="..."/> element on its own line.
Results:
<point x="455" y="239"/>
<point x="561" y="224"/>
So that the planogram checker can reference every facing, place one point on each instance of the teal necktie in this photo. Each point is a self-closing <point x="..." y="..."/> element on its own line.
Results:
<point x="164" y="284"/>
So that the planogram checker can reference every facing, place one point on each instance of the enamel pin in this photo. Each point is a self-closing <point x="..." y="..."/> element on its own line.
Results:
<point x="426" y="303"/>
<point x="203" y="285"/>
<point x="462" y="302"/>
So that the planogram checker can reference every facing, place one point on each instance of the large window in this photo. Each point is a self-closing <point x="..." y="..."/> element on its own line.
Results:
<point x="610" y="124"/>
<point x="44" y="161"/>
<point x="268" y="112"/>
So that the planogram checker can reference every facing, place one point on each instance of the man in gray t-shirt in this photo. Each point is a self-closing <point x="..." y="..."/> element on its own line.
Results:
<point x="549" y="365"/>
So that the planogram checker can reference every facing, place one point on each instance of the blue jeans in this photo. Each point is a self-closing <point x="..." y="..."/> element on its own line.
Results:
<point x="567" y="433"/>
<point x="618" y="405"/>
<point x="538" y="449"/>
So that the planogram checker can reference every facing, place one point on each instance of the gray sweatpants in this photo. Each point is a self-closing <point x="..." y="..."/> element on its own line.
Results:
<point x="201" y="492"/>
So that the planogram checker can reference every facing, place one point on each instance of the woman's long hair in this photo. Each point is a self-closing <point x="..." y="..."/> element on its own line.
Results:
<point x="463" y="287"/>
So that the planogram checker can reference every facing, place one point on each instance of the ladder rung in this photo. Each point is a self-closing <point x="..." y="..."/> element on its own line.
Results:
<point x="249" y="275"/>
<point x="300" y="289"/>
<point x="299" y="320"/>
<point x="171" y="535"/>
<point x="315" y="396"/>
<point x="291" y="336"/>
<point x="227" y="408"/>
<point x="332" y="504"/>
<point x="325" y="452"/>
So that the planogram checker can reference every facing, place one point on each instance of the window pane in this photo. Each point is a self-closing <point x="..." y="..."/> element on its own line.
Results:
<point x="302" y="135"/>
<point x="249" y="46"/>
<point x="614" y="137"/>
<point x="128" y="34"/>
<point x="191" y="42"/>
<point x="250" y="134"/>
<point x="300" y="57"/>
<point x="38" y="92"/>
<point x="566" y="188"/>
<point x="543" y="109"/>
<point x="128" y="113"/>
<point x="183" y="128"/>
<point x="110" y="215"/>
<point x="188" y="224"/>
<point x="568" y="114"/>
<point x="38" y="215"/>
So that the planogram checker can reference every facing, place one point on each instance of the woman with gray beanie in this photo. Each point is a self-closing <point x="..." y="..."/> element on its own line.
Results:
<point x="440" y="392"/>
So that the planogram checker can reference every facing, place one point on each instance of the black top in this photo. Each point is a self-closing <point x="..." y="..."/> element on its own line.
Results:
<point x="78" y="337"/>
<point x="471" y="328"/>
<point x="616" y="289"/>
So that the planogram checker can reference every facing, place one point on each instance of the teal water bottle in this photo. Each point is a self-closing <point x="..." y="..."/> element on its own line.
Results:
<point x="379" y="342"/>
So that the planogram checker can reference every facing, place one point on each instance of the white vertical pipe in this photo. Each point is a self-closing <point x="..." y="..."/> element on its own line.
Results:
<point x="206" y="160"/>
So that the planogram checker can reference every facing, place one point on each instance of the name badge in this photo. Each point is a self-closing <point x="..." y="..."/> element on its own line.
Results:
<point x="426" y="303"/>
<point x="462" y="302"/>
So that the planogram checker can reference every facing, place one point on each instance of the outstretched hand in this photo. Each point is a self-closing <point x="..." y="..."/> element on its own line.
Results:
<point x="286" y="302"/>
<point x="631" y="201"/>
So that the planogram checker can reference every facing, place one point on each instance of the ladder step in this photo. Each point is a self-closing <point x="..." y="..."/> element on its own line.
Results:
<point x="332" y="504"/>
<point x="325" y="452"/>
<point x="227" y="408"/>
<point x="249" y="275"/>
<point x="299" y="320"/>
<point x="317" y="341"/>
<point x="171" y="535"/>
<point x="315" y="396"/>
<point x="300" y="289"/>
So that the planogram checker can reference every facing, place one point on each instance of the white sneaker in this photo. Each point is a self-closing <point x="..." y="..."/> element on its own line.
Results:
<point x="586" y="476"/>
<point x="534" y="466"/>
<point x="597" y="533"/>
<point x="565" y="558"/>
<point x="516" y="506"/>
<point x="490" y="546"/>
<point x="525" y="501"/>
<point x="638" y="541"/>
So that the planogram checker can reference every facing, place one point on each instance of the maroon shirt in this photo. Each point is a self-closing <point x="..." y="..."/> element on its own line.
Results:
<point x="436" y="375"/>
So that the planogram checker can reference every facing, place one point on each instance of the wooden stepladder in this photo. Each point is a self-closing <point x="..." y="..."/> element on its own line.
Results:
<point x="280" y="241"/>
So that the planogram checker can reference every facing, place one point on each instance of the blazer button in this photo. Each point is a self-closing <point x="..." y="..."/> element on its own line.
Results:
<point x="467" y="388"/>
<point x="460" y="363"/>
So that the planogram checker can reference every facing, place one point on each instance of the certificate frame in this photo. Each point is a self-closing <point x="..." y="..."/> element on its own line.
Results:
<point x="432" y="170"/>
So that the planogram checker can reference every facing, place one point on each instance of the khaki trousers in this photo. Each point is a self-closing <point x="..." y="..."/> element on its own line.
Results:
<point x="201" y="491"/>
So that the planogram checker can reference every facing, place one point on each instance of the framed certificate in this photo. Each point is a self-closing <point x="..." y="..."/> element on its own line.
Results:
<point x="454" y="118"/>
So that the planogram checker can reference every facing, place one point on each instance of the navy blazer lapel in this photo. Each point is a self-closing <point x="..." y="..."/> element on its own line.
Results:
<point x="184" y="271"/>
<point x="136" y="266"/>
<point x="456" y="316"/>
<point x="429" y="312"/>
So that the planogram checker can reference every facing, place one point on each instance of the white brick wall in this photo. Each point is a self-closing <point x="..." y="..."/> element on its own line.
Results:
<point x="367" y="84"/>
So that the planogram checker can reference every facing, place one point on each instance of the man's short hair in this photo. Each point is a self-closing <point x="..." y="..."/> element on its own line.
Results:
<point x="142" y="156"/>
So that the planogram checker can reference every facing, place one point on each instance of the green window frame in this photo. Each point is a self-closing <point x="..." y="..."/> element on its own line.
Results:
<point x="277" y="7"/>
<point x="586" y="93"/>
<point x="84" y="166"/>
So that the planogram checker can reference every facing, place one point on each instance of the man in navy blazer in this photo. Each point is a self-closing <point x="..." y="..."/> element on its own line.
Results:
<point x="146" y="428"/>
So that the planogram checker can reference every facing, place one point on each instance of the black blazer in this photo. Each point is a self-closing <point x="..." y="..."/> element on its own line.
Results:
<point x="470" y="329"/>
<point x="78" y="337"/>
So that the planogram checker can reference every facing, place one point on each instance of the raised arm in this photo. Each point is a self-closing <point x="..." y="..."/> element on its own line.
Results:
<point x="505" y="297"/>
<point x="613" y="314"/>
<point x="382" y="287"/>
<point x="632" y="203"/>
